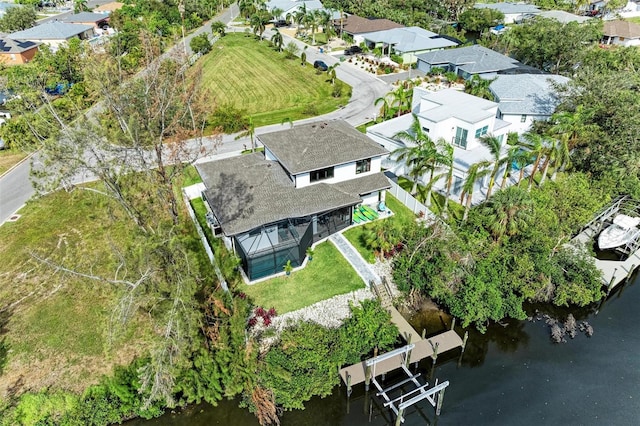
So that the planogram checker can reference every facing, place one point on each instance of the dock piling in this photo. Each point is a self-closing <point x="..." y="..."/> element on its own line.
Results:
<point x="440" y="399"/>
<point x="612" y="282"/>
<point x="453" y="323"/>
<point x="349" y="389"/>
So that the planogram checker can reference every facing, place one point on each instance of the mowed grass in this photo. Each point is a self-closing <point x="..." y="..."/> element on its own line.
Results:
<point x="356" y="235"/>
<point x="58" y="325"/>
<point x="251" y="75"/>
<point x="327" y="275"/>
<point x="9" y="158"/>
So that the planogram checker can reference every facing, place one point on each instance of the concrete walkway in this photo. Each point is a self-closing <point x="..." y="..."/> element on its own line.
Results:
<point x="353" y="257"/>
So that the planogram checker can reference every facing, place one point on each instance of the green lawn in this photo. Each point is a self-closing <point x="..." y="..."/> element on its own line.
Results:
<point x="58" y="321"/>
<point x="9" y="158"/>
<point x="635" y="19"/>
<point x="327" y="275"/>
<point x="251" y="75"/>
<point x="356" y="235"/>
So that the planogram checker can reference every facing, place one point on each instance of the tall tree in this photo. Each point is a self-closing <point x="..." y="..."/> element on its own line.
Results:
<point x="476" y="172"/>
<point x="277" y="39"/>
<point x="494" y="145"/>
<point x="478" y="86"/>
<point x="508" y="212"/>
<point x="80" y="6"/>
<point x="18" y="18"/>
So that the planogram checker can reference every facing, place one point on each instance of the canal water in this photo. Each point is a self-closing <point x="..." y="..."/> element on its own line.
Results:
<point x="512" y="375"/>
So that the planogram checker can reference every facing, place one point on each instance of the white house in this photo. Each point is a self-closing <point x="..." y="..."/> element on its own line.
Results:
<point x="271" y="207"/>
<point x="289" y="7"/>
<point x="622" y="33"/>
<point x="513" y="12"/>
<point x="457" y="118"/>
<point x="525" y="98"/>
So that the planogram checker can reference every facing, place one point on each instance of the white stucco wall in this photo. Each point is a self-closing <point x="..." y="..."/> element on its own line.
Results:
<point x="371" y="199"/>
<point x="516" y="122"/>
<point x="341" y="173"/>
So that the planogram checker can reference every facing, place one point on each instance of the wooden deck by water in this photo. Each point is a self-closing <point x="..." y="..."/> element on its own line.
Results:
<point x="614" y="272"/>
<point x="423" y="348"/>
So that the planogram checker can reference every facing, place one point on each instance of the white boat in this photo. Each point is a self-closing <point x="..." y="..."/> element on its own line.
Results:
<point x="623" y="230"/>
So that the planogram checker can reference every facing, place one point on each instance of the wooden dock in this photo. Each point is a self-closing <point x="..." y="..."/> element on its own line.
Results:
<point x="423" y="348"/>
<point x="614" y="272"/>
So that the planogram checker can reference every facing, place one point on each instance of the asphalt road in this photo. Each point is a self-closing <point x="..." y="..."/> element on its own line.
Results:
<point x="16" y="187"/>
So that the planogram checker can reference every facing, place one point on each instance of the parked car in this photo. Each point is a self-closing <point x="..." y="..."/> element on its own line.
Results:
<point x="353" y="50"/>
<point x="320" y="65"/>
<point x="280" y="23"/>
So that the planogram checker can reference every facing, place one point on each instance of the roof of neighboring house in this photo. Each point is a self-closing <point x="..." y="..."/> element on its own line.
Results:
<point x="530" y="94"/>
<point x="411" y="39"/>
<point x="50" y="31"/>
<point x="287" y="5"/>
<point x="248" y="191"/>
<point x="354" y="24"/>
<point x="109" y="7"/>
<point x="450" y="103"/>
<point x="563" y="17"/>
<point x="318" y="145"/>
<point x="621" y="28"/>
<point x="474" y="59"/>
<point x="509" y="8"/>
<point x="8" y="46"/>
<point x="84" y="17"/>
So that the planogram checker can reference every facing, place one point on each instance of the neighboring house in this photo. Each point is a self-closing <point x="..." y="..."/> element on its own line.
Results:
<point x="472" y="60"/>
<point x="54" y="33"/>
<point x="98" y="20"/>
<point x="289" y="7"/>
<point x="513" y="12"/>
<point x="525" y="98"/>
<point x="563" y="17"/>
<point x="355" y="26"/>
<point x="457" y="118"/>
<point x="14" y="52"/>
<point x="407" y="42"/>
<point x="271" y="207"/>
<point x="623" y="33"/>
<point x="108" y="8"/>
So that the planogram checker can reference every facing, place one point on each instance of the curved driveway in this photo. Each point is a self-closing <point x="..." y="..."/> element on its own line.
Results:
<point x="16" y="188"/>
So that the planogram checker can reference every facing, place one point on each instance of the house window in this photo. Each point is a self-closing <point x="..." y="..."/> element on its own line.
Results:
<point x="482" y="131"/>
<point x="363" y="166"/>
<point x="457" y="185"/>
<point x="424" y="129"/>
<point x="321" y="174"/>
<point x="461" y="137"/>
<point x="523" y="118"/>
<point x="500" y="139"/>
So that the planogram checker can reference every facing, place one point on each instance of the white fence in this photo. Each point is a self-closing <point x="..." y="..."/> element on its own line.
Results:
<point x="408" y="200"/>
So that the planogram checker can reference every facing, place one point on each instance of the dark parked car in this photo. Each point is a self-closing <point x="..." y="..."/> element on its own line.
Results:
<point x="353" y="50"/>
<point x="280" y="23"/>
<point x="320" y="65"/>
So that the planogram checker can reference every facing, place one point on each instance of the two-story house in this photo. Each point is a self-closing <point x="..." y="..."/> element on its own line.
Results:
<point x="270" y="207"/>
<point x="453" y="116"/>
<point x="525" y="98"/>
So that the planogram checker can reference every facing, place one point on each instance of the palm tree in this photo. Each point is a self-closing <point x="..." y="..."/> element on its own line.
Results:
<point x="537" y="146"/>
<point x="218" y="28"/>
<point x="247" y="8"/>
<point x="562" y="158"/>
<point x="509" y="212"/>
<point x="494" y="145"/>
<point x="326" y="24"/>
<point x="476" y="172"/>
<point x="303" y="57"/>
<point x="257" y="24"/>
<point x="277" y="39"/>
<point x="447" y="155"/>
<point x="512" y="154"/>
<point x="250" y="131"/>
<point x="402" y="99"/>
<point x="313" y="20"/>
<point x="80" y="6"/>
<point x="386" y="106"/>
<point x="479" y="87"/>
<point x="417" y="154"/>
<point x="572" y="125"/>
<point x="276" y="13"/>
<point x="332" y="72"/>
<point x="300" y="16"/>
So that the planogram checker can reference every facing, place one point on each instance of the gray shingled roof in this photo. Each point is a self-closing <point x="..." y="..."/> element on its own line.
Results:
<point x="474" y="59"/>
<point x="563" y="17"/>
<point x="530" y="94"/>
<point x="50" y="31"/>
<point x="411" y="39"/>
<point x="318" y="145"/>
<point x="509" y="8"/>
<point x="84" y="17"/>
<point x="16" y="46"/>
<point x="248" y="191"/>
<point x="354" y="24"/>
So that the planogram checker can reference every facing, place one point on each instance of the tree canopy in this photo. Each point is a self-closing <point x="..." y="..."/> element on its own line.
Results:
<point x="18" y="18"/>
